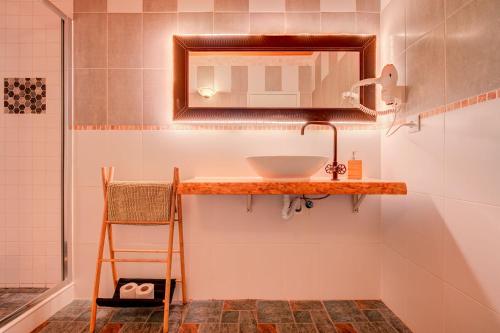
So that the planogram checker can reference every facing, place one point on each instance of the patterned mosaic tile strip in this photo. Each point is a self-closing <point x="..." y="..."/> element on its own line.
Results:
<point x="24" y="95"/>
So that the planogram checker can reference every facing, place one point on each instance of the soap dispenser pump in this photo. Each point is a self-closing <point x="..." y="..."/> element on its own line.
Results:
<point x="354" y="168"/>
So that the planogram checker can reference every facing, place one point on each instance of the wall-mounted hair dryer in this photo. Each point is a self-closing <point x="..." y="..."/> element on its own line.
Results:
<point x="392" y="94"/>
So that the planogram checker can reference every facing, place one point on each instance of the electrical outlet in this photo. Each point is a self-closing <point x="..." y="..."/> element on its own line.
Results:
<point x="414" y="122"/>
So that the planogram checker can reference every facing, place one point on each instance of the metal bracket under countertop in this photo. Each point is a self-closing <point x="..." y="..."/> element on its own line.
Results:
<point x="357" y="199"/>
<point x="249" y="203"/>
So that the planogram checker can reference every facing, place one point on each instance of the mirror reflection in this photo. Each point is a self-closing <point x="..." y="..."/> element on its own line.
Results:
<point x="271" y="79"/>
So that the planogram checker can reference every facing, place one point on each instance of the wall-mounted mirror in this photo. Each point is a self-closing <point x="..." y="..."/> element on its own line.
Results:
<point x="277" y="78"/>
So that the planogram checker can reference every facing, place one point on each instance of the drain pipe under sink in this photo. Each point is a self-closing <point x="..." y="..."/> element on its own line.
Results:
<point x="290" y="207"/>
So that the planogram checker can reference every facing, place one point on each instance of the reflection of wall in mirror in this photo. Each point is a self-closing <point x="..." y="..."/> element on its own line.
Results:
<point x="317" y="80"/>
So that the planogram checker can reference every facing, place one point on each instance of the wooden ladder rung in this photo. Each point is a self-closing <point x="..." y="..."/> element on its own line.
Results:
<point x="145" y="250"/>
<point x="134" y="260"/>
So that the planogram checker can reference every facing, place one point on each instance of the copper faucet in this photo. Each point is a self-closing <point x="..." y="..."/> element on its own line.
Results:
<point x="335" y="168"/>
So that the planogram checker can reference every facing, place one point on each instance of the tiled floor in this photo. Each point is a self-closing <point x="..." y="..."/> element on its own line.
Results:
<point x="237" y="316"/>
<point x="12" y="298"/>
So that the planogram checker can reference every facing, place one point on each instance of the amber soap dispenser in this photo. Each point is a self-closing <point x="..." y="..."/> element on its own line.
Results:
<point x="354" y="168"/>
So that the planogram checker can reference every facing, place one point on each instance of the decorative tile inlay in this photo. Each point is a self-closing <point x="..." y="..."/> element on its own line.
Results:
<point x="24" y="95"/>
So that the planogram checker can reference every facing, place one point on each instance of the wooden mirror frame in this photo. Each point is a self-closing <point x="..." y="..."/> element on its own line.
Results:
<point x="365" y="45"/>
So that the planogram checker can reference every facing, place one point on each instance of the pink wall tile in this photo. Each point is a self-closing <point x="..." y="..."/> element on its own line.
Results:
<point x="125" y="6"/>
<point x="231" y="5"/>
<point x="92" y="6"/>
<point x="338" y="23"/>
<point x="156" y="100"/>
<point x="338" y="5"/>
<point x="273" y="23"/>
<point x="157" y="39"/>
<point x="195" y="5"/>
<point x="125" y="41"/>
<point x="90" y="34"/>
<point x="90" y="89"/>
<point x="267" y="5"/>
<point x="195" y="23"/>
<point x="231" y="23"/>
<point x="303" y="23"/>
<point x="422" y="16"/>
<point x="159" y="5"/>
<point x="372" y="6"/>
<point x="302" y="5"/>
<point x="426" y="56"/>
<point x="124" y="99"/>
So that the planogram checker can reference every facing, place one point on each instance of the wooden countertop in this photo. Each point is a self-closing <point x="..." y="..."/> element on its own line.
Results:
<point x="253" y="185"/>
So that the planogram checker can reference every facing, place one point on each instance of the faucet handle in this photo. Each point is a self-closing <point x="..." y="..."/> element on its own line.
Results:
<point x="339" y="168"/>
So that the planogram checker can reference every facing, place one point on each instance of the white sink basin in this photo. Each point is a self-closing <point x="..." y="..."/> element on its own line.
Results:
<point x="286" y="167"/>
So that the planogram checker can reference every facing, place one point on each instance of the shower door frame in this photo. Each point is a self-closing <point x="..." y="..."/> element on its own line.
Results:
<point x="66" y="165"/>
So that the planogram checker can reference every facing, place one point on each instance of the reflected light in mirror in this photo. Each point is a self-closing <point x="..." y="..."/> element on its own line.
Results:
<point x="206" y="92"/>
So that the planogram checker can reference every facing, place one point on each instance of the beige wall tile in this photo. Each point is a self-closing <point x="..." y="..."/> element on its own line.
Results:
<point x="472" y="44"/>
<point x="421" y="17"/>
<point x="89" y="6"/>
<point x="273" y="78"/>
<point x="157" y="39"/>
<point x="125" y="40"/>
<point x="125" y="97"/>
<point x="267" y="5"/>
<point x="338" y="5"/>
<point x="303" y="22"/>
<point x="124" y="6"/>
<point x="338" y="23"/>
<point x="195" y="23"/>
<point x="261" y="23"/>
<point x="392" y="30"/>
<point x="231" y="5"/>
<point x="367" y="23"/>
<point x="453" y="5"/>
<point x="372" y="6"/>
<point x="90" y="45"/>
<point x="239" y="78"/>
<point x="159" y="5"/>
<point x="231" y="23"/>
<point x="302" y="5"/>
<point x="425" y="72"/>
<point x="157" y="94"/>
<point x="205" y="76"/>
<point x="90" y="95"/>
<point x="195" y="5"/>
<point x="305" y="100"/>
<point x="305" y="79"/>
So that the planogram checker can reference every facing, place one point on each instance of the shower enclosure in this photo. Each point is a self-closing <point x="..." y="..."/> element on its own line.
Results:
<point x="35" y="153"/>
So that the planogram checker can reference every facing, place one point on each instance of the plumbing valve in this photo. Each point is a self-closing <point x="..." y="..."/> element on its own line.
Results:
<point x="339" y="168"/>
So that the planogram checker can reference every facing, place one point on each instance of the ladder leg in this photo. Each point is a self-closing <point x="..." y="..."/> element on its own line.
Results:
<point x="97" y="277"/>
<point x="181" y="248"/>
<point x="168" y="276"/>
<point x="112" y="255"/>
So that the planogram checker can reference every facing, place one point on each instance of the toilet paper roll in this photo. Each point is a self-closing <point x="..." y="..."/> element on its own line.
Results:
<point x="145" y="291"/>
<point x="128" y="290"/>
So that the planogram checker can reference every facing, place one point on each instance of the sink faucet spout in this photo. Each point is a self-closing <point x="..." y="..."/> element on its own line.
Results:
<point x="335" y="168"/>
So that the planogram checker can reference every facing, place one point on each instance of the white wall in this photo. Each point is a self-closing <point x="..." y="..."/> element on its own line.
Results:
<point x="440" y="269"/>
<point x="328" y="252"/>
